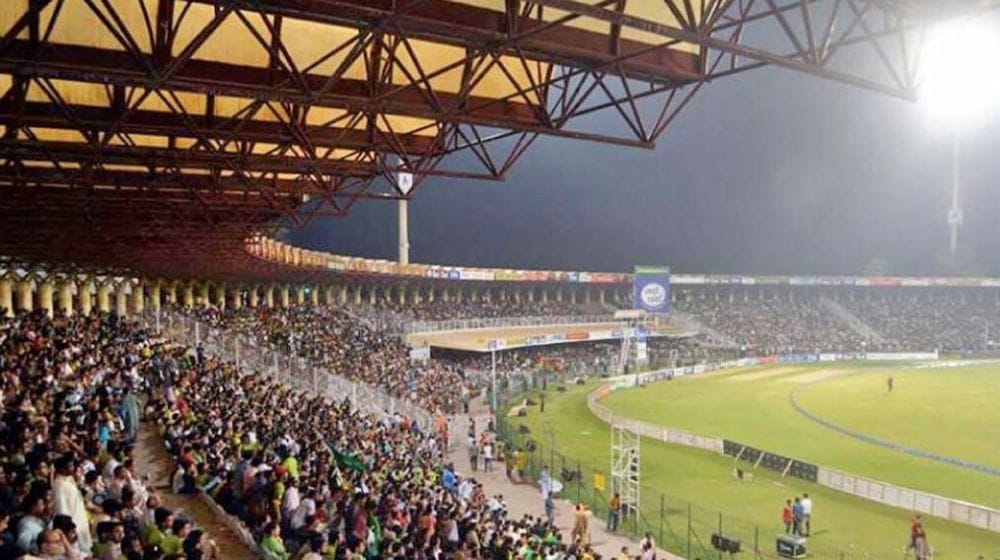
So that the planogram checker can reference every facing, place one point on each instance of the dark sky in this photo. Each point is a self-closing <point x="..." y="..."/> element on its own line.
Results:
<point x="766" y="172"/>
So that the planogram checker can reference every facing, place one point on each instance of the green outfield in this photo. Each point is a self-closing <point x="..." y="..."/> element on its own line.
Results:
<point x="943" y="410"/>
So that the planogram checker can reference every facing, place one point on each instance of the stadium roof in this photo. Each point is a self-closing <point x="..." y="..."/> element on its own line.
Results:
<point x="159" y="135"/>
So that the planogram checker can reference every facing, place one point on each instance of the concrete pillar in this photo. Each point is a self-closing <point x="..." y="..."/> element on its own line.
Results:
<point x="401" y="295"/>
<point x="45" y="290"/>
<point x="300" y="295"/>
<point x="531" y="295"/>
<point x="545" y="295"/>
<point x="238" y="297"/>
<point x="154" y="296"/>
<point x="314" y="296"/>
<point x="371" y="296"/>
<point x="252" y="295"/>
<point x="269" y="296"/>
<point x="6" y="297"/>
<point x="357" y="295"/>
<point x="188" y="296"/>
<point x="220" y="296"/>
<point x="283" y="296"/>
<point x="121" y="301"/>
<point x="66" y="298"/>
<point x="138" y="299"/>
<point x="203" y="300"/>
<point x="601" y="295"/>
<point x="104" y="298"/>
<point x="586" y="295"/>
<point x="328" y="295"/>
<point x="172" y="293"/>
<point x="25" y="295"/>
<point x="342" y="294"/>
<point x="84" y="293"/>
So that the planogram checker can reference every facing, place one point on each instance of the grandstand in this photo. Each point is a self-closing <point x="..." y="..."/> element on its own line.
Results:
<point x="314" y="405"/>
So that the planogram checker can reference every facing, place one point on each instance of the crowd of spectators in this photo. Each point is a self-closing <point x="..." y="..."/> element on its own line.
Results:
<point x="775" y="326"/>
<point x="69" y="489"/>
<point x="949" y="324"/>
<point x="336" y="340"/>
<point x="329" y="481"/>
<point x="440" y="310"/>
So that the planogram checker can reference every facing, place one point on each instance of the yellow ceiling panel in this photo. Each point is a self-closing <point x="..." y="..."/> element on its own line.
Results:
<point x="75" y="93"/>
<point x="231" y="42"/>
<point x="498" y="84"/>
<point x="433" y="59"/>
<point x="143" y="140"/>
<point x="78" y="24"/>
<point x="652" y="10"/>
<point x="49" y="164"/>
<point x="192" y="103"/>
<point x="56" y="134"/>
<point x="124" y="167"/>
<point x="309" y="43"/>
<point x="399" y="124"/>
<point x="264" y="148"/>
<point x="328" y="116"/>
<point x="10" y="12"/>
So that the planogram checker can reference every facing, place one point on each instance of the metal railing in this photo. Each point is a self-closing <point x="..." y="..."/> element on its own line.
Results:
<point x="493" y="322"/>
<point x="254" y="356"/>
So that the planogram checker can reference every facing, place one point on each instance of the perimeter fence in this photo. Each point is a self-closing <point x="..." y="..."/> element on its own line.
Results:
<point x="679" y="526"/>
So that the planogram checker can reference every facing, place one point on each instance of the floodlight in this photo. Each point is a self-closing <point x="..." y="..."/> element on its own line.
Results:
<point x="960" y="83"/>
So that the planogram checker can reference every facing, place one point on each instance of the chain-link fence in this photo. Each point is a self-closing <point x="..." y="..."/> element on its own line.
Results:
<point x="678" y="526"/>
<point x="255" y="356"/>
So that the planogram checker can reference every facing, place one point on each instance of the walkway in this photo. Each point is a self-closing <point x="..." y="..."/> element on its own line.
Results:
<point x="527" y="499"/>
<point x="152" y="459"/>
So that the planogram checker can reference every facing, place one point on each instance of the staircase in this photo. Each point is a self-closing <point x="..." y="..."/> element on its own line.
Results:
<point x="685" y="318"/>
<point x="852" y="321"/>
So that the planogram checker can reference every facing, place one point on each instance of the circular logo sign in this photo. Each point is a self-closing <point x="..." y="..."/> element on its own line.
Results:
<point x="653" y="295"/>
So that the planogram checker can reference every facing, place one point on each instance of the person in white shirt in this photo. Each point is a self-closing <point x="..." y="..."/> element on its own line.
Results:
<point x="68" y="500"/>
<point x="807" y="509"/>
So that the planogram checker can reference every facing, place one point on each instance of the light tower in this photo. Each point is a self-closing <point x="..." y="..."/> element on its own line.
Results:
<point x="955" y="212"/>
<point x="404" y="182"/>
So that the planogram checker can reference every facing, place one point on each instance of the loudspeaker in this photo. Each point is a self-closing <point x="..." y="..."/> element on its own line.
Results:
<point x="791" y="546"/>
<point x="725" y="544"/>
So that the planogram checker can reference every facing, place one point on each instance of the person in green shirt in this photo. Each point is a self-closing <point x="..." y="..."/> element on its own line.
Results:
<point x="272" y="543"/>
<point x="157" y="532"/>
<point x="174" y="542"/>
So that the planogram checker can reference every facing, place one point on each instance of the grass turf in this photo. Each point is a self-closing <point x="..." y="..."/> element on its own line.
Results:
<point x="752" y="406"/>
<point x="751" y="510"/>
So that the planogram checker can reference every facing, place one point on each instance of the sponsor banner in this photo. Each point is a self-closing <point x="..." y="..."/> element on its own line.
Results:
<point x="498" y="344"/>
<point x="584" y="277"/>
<point x="453" y="274"/>
<point x="802" y="280"/>
<point x="990" y="282"/>
<point x="828" y="357"/>
<point x="915" y="282"/>
<point x="578" y="335"/>
<point x="901" y="356"/>
<point x="798" y="358"/>
<point x="687" y="279"/>
<point x="767" y="360"/>
<point x="421" y="354"/>
<point x="651" y="289"/>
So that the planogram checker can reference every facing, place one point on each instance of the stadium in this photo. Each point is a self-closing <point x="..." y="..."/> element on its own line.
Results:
<point x="188" y="370"/>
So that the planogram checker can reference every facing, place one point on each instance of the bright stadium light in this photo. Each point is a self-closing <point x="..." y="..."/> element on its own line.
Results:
<point x="960" y="83"/>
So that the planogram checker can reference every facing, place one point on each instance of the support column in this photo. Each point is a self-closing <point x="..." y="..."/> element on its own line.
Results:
<point x="252" y="295"/>
<point x="66" y="298"/>
<point x="188" y="296"/>
<point x="357" y="295"/>
<point x="545" y="295"/>
<point x="238" y="298"/>
<point x="138" y="299"/>
<point x="45" y="290"/>
<point x="269" y="296"/>
<point x="401" y="294"/>
<point x="121" y="301"/>
<point x="586" y="295"/>
<point x="371" y="296"/>
<point x="25" y="301"/>
<point x="172" y="292"/>
<point x="531" y="295"/>
<point x="283" y="296"/>
<point x="559" y="295"/>
<point x="203" y="296"/>
<point x="6" y="297"/>
<point x="104" y="298"/>
<point x="314" y="296"/>
<point x="84" y="292"/>
<point x="154" y="296"/>
<point x="300" y="295"/>
<point x="342" y="294"/>
<point x="601" y="295"/>
<point x="328" y="296"/>
<point x="220" y="296"/>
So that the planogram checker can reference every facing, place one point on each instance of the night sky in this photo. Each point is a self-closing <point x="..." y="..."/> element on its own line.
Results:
<point x="765" y="172"/>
